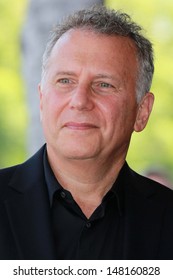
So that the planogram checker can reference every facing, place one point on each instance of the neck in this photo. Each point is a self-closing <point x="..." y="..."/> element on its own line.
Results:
<point x="87" y="180"/>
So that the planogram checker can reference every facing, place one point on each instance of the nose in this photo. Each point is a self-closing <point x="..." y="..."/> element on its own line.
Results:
<point x="81" y="99"/>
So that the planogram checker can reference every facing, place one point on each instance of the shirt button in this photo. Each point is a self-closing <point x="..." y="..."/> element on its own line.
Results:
<point x="63" y="195"/>
<point x="88" y="224"/>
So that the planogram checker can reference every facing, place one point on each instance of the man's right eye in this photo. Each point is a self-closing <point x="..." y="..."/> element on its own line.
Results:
<point x="64" y="81"/>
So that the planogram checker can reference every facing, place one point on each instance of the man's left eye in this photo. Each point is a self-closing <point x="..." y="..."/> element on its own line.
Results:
<point x="105" y="85"/>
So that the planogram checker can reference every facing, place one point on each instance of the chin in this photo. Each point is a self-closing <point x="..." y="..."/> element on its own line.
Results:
<point x="77" y="150"/>
<point x="78" y="156"/>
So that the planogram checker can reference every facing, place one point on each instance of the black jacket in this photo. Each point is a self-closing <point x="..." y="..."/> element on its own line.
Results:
<point x="25" y="221"/>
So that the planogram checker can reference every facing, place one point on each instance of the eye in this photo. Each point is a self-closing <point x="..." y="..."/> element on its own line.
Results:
<point x="64" y="81"/>
<point x="64" y="84"/>
<point x="104" y="88"/>
<point x="105" y="85"/>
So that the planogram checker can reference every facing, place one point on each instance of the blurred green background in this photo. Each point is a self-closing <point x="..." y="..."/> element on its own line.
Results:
<point x="153" y="146"/>
<point x="13" y="116"/>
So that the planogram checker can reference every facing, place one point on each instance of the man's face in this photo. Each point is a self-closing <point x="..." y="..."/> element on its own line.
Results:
<point x="87" y="97"/>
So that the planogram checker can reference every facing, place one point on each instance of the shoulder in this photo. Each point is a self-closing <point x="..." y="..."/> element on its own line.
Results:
<point x="6" y="174"/>
<point x="21" y="172"/>
<point x="149" y="188"/>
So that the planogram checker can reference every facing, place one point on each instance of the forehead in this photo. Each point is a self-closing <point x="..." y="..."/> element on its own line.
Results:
<point x="75" y="37"/>
<point x="86" y="47"/>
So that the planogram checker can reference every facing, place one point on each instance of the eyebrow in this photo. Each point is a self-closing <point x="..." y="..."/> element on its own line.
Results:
<point x="107" y="76"/>
<point x="68" y="73"/>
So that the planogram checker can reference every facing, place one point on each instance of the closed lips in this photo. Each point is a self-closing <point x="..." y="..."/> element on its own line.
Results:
<point x="80" y="126"/>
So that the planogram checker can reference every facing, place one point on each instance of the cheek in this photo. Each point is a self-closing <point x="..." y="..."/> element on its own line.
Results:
<point x="112" y="111"/>
<point x="48" y="113"/>
<point x="121" y="117"/>
<point x="51" y="104"/>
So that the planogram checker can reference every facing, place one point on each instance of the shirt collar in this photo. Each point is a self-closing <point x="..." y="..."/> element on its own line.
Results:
<point x="51" y="181"/>
<point x="53" y="185"/>
<point x="119" y="186"/>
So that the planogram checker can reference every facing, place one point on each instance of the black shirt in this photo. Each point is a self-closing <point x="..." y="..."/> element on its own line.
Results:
<point x="77" y="237"/>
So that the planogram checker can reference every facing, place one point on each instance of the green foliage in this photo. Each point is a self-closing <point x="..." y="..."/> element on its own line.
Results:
<point x="12" y="104"/>
<point x="154" y="146"/>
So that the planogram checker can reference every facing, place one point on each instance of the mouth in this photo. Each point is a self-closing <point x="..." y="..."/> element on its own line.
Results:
<point x="79" y="126"/>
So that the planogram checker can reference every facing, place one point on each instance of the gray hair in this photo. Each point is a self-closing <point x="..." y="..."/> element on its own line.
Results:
<point x="109" y="22"/>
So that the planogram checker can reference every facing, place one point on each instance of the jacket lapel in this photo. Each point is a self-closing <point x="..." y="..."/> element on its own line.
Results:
<point x="28" y="211"/>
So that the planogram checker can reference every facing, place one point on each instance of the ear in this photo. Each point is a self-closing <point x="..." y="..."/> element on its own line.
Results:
<point x="144" y="110"/>
<point x="41" y="99"/>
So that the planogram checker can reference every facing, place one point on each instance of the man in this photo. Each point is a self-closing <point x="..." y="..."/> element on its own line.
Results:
<point x="77" y="198"/>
